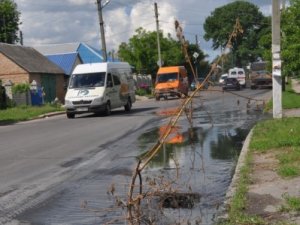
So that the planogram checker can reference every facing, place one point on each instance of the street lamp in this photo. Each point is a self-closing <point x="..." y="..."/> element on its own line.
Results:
<point x="100" y="7"/>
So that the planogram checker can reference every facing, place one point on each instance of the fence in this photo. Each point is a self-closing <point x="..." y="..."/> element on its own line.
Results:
<point x="33" y="96"/>
<point x="2" y="97"/>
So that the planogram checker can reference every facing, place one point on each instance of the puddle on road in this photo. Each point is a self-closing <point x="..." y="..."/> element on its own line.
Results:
<point x="202" y="161"/>
<point x="199" y="159"/>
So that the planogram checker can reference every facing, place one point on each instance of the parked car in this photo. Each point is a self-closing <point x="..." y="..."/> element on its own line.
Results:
<point x="200" y="80"/>
<point x="222" y="78"/>
<point x="231" y="84"/>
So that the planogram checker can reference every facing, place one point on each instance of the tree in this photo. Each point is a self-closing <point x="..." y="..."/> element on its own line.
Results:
<point x="9" y="21"/>
<point x="245" y="47"/>
<point x="291" y="39"/>
<point x="141" y="51"/>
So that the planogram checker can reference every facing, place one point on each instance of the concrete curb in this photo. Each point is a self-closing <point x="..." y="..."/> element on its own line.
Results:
<point x="51" y="114"/>
<point x="236" y="177"/>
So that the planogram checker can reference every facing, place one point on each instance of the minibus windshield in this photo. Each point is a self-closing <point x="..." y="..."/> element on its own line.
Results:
<point x="87" y="80"/>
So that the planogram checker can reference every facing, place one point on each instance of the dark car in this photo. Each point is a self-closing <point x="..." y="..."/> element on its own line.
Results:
<point x="200" y="80"/>
<point x="231" y="84"/>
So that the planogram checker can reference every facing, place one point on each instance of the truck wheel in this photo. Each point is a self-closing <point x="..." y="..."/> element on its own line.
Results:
<point x="70" y="115"/>
<point x="128" y="105"/>
<point x="107" y="110"/>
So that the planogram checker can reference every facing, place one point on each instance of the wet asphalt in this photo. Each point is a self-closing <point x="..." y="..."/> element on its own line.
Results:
<point x="200" y="160"/>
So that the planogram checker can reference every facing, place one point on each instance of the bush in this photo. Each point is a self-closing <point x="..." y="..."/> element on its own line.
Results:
<point x="143" y="89"/>
<point x="141" y="92"/>
<point x="20" y="88"/>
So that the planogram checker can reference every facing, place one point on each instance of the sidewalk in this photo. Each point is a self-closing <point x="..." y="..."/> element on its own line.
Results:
<point x="265" y="194"/>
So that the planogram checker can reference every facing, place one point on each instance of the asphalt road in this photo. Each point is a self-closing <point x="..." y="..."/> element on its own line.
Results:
<point x="38" y="158"/>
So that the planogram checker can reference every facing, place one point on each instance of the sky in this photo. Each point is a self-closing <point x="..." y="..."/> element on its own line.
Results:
<point x="47" y="22"/>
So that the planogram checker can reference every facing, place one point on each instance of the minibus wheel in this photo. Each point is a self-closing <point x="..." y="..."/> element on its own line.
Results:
<point x="128" y="105"/>
<point x="70" y="115"/>
<point x="107" y="110"/>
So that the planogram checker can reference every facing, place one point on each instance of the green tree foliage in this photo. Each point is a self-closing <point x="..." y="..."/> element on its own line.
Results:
<point x="141" y="51"/>
<point x="245" y="47"/>
<point x="9" y="21"/>
<point x="291" y="39"/>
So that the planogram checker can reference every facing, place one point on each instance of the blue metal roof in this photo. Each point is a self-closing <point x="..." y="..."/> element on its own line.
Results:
<point x="88" y="54"/>
<point x="65" y="61"/>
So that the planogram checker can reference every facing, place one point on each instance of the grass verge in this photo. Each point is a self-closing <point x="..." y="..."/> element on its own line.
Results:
<point x="23" y="113"/>
<point x="292" y="204"/>
<point x="236" y="213"/>
<point x="290" y="99"/>
<point x="281" y="137"/>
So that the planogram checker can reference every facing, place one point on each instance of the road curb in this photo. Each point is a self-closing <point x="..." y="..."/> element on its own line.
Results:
<point x="236" y="177"/>
<point x="51" y="114"/>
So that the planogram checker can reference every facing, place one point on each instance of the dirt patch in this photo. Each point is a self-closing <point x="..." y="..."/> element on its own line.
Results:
<point x="265" y="194"/>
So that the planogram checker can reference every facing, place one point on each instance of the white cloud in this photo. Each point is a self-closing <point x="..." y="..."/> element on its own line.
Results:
<point x="59" y="21"/>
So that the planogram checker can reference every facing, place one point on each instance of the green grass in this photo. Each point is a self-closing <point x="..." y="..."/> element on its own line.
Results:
<point x="272" y="134"/>
<point x="22" y="113"/>
<point x="290" y="99"/>
<point x="282" y="137"/>
<point x="289" y="162"/>
<point x="292" y="204"/>
<point x="238" y="202"/>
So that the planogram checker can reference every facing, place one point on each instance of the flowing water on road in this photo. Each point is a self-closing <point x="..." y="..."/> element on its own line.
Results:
<point x="198" y="159"/>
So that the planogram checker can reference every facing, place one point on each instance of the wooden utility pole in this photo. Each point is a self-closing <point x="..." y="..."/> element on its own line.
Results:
<point x="159" y="62"/>
<point x="276" y="65"/>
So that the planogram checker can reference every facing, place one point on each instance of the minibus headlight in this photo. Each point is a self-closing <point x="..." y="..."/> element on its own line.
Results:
<point x="97" y="101"/>
<point x="68" y="102"/>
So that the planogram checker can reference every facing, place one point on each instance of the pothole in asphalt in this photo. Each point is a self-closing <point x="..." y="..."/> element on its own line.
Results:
<point x="179" y="200"/>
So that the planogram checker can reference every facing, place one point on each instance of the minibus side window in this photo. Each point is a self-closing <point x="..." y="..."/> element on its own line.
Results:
<point x="109" y="82"/>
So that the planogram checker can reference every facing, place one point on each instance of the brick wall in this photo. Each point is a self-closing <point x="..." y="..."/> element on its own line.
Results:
<point x="16" y="74"/>
<point x="11" y="71"/>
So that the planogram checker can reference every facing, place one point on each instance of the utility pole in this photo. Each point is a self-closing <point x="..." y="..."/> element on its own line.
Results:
<point x="276" y="65"/>
<point x="159" y="62"/>
<point x="21" y="37"/>
<point x="100" y="7"/>
<point x="4" y="25"/>
<point x="197" y="42"/>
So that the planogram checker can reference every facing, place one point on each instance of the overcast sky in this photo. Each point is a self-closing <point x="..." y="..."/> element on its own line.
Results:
<point x="68" y="21"/>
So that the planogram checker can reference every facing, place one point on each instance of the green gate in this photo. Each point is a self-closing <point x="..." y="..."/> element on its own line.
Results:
<point x="49" y="84"/>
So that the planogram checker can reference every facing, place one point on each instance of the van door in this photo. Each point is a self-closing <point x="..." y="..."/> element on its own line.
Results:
<point x="111" y="91"/>
<point x="117" y="88"/>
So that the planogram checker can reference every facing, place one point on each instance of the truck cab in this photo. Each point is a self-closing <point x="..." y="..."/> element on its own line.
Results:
<point x="171" y="81"/>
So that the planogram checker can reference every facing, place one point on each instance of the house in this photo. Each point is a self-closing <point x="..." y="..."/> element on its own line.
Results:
<point x="67" y="62"/>
<point x="21" y="64"/>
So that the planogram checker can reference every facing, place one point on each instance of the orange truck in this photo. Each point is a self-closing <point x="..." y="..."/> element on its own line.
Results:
<point x="171" y="81"/>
